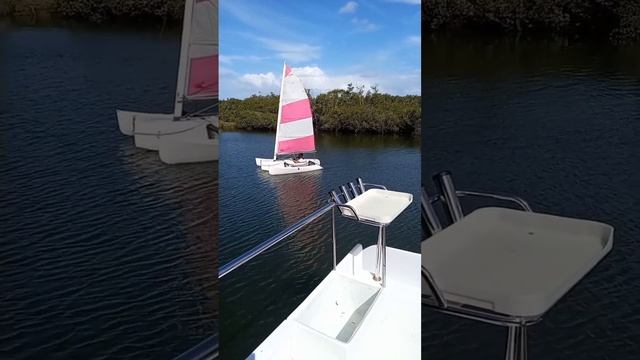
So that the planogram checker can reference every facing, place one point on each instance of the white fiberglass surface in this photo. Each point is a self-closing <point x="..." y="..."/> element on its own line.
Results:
<point x="514" y="262"/>
<point x="339" y="308"/>
<point x="381" y="206"/>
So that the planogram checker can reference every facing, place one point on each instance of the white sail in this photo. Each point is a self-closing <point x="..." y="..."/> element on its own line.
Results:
<point x="294" y="132"/>
<point x="198" y="71"/>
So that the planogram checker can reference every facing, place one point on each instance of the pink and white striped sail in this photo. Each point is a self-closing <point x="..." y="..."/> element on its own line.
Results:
<point x="202" y="77"/>
<point x="295" y="127"/>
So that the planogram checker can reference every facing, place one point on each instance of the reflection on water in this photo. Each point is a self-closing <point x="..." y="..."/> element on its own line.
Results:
<point x="104" y="251"/>
<point x="259" y="295"/>
<point x="556" y="123"/>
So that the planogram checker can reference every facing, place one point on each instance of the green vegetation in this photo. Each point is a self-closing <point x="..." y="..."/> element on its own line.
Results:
<point x="352" y="110"/>
<point x="618" y="20"/>
<point x="96" y="11"/>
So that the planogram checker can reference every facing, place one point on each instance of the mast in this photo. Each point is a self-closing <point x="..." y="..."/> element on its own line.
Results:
<point x="275" y="147"/>
<point x="184" y="57"/>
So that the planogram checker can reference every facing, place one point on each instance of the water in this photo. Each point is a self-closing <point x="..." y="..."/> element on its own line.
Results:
<point x="104" y="251"/>
<point x="258" y="296"/>
<point x="558" y="124"/>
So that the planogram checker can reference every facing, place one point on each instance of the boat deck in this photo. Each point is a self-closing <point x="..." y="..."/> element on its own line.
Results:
<point x="390" y="328"/>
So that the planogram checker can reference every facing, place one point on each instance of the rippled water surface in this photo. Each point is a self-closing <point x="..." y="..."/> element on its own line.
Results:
<point x="104" y="251"/>
<point x="258" y="296"/>
<point x="558" y="124"/>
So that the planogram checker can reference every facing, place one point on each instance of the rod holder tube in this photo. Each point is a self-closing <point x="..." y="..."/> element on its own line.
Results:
<point x="344" y="191"/>
<point x="352" y="186"/>
<point x="429" y="214"/>
<point x="450" y="200"/>
<point x="360" y="184"/>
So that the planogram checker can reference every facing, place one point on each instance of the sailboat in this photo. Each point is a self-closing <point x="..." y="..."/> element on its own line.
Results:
<point x="183" y="137"/>
<point x="294" y="130"/>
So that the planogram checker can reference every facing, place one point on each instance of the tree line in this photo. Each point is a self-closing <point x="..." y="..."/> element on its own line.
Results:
<point x="619" y="20"/>
<point x="97" y="11"/>
<point x="350" y="110"/>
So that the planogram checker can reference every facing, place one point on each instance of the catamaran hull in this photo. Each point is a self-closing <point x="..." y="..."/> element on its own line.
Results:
<point x="127" y="120"/>
<point x="147" y="132"/>
<point x="281" y="169"/>
<point x="265" y="164"/>
<point x="183" y="149"/>
<point x="177" y="141"/>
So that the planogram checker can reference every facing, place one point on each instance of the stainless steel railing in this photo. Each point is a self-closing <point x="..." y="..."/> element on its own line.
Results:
<point x="260" y="248"/>
<point x="205" y="350"/>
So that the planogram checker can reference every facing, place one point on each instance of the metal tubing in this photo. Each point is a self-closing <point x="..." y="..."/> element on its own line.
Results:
<point x="333" y="236"/>
<point x="381" y="259"/>
<point x="518" y="201"/>
<point x="353" y="190"/>
<point x="384" y="256"/>
<point x="335" y="197"/>
<point x="257" y="250"/>
<point x="517" y="343"/>
<point x="441" y="301"/>
<point x="429" y="214"/>
<point x="511" y="343"/>
<point x="360" y="184"/>
<point x="449" y="196"/>
<point x="344" y="191"/>
<point x="375" y="185"/>
<point x="205" y="350"/>
<point x="377" y="276"/>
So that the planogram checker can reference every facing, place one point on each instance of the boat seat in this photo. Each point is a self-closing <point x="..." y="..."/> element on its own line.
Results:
<point x="513" y="262"/>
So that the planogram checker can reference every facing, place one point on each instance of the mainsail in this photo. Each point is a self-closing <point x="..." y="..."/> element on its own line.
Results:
<point x="198" y="72"/>
<point x="294" y="132"/>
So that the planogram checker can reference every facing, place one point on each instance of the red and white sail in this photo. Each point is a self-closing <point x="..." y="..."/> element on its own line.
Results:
<point x="294" y="133"/>
<point x="198" y="72"/>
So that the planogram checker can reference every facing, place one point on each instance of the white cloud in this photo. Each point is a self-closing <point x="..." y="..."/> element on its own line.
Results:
<point x="413" y="40"/>
<point x="228" y="59"/>
<point x="364" y="25"/>
<point x="261" y="81"/>
<point x="349" y="7"/>
<point x="318" y="81"/>
<point x="295" y="52"/>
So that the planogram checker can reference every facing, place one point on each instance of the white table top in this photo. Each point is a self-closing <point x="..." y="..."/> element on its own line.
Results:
<point x="379" y="206"/>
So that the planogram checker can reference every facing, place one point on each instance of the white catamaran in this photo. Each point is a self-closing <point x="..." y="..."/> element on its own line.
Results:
<point x="182" y="137"/>
<point x="294" y="130"/>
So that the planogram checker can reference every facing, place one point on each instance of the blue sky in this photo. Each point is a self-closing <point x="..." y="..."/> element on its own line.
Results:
<point x="328" y="43"/>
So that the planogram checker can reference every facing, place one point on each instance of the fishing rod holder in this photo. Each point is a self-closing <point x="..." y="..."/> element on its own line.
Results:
<point x="449" y="198"/>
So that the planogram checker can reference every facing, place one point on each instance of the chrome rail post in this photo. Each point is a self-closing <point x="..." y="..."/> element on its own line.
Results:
<point x="333" y="236"/>
<point x="384" y="256"/>
<point x="377" y="275"/>
<point x="449" y="196"/>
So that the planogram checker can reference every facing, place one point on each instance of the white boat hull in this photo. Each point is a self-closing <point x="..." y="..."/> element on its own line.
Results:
<point x="282" y="169"/>
<point x="128" y="119"/>
<point x="347" y="320"/>
<point x="189" y="147"/>
<point x="177" y="141"/>
<point x="147" y="132"/>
